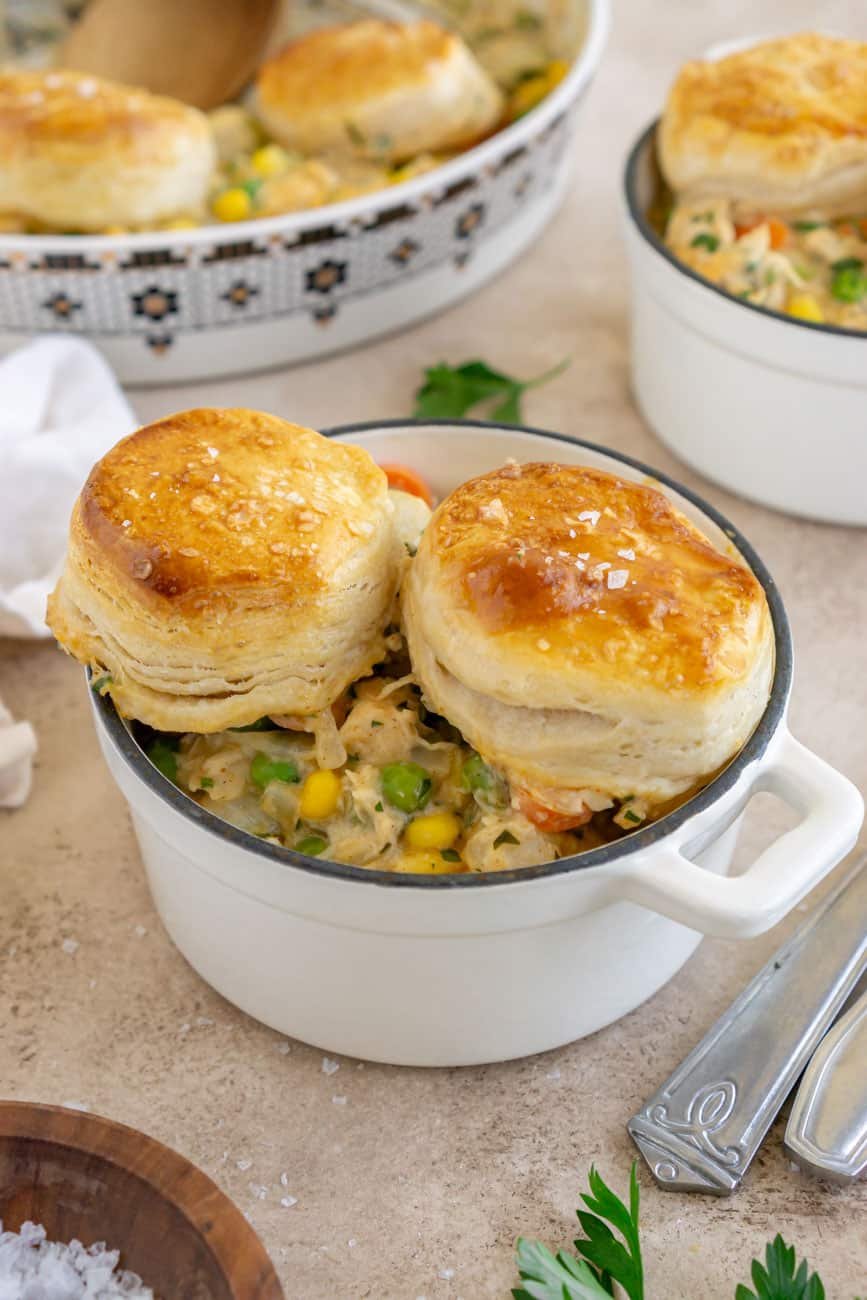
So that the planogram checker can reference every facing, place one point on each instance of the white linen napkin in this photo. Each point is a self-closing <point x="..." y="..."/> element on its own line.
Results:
<point x="60" y="410"/>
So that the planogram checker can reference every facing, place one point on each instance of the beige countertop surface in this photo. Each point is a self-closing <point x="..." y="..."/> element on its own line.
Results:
<point x="417" y="1185"/>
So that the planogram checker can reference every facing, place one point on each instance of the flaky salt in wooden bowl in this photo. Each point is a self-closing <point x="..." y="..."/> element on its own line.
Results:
<point x="88" y="1178"/>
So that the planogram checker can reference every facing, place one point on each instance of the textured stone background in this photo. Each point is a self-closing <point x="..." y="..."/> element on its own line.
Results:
<point x="418" y="1184"/>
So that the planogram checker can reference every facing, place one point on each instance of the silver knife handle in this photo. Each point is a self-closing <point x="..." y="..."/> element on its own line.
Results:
<point x="827" y="1129"/>
<point x="700" y="1131"/>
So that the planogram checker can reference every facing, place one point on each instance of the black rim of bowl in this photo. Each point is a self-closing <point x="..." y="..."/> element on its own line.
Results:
<point x="134" y="756"/>
<point x="630" y="180"/>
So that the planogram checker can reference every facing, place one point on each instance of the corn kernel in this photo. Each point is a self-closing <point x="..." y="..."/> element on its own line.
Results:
<point x="426" y="864"/>
<point x="180" y="223"/>
<point x="433" y="831"/>
<point x="534" y="89"/>
<point x="526" y="96"/>
<point x="556" y="72"/>
<point x="232" y="205"/>
<point x="804" y="307"/>
<point x="320" y="795"/>
<point x="270" y="160"/>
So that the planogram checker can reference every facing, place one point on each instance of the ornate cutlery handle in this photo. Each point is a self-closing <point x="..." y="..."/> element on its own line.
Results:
<point x="827" y="1129"/>
<point x="700" y="1131"/>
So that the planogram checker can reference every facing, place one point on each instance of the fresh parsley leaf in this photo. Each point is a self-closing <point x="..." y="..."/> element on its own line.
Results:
<point x="613" y="1260"/>
<point x="450" y="855"/>
<point x="778" y="1279"/>
<point x="705" y="240"/>
<point x="605" y="1265"/>
<point x="554" y="1277"/>
<point x="449" y="392"/>
<point x="602" y="1258"/>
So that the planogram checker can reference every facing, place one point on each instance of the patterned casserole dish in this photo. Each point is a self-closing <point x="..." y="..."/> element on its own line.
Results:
<point x="167" y="306"/>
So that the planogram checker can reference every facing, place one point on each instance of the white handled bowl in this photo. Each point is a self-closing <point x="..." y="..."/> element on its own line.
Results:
<point x="770" y="407"/>
<point x="455" y="970"/>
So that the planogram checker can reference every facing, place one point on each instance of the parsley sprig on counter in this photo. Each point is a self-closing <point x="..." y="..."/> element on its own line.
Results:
<point x="449" y="392"/>
<point x="605" y="1258"/>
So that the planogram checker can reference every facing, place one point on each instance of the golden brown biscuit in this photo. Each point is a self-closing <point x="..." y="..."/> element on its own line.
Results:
<point x="584" y="636"/>
<point x="383" y="90"/>
<point x="225" y="564"/>
<point x="781" y="126"/>
<point x="80" y="153"/>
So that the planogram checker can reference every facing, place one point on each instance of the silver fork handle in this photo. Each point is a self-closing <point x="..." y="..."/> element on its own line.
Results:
<point x="827" y="1130"/>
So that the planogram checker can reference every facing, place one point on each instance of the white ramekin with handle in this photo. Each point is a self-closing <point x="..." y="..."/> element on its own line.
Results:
<point x="455" y="970"/>
<point x="769" y="406"/>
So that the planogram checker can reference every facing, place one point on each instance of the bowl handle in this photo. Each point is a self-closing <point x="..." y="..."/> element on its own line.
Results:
<point x="741" y="906"/>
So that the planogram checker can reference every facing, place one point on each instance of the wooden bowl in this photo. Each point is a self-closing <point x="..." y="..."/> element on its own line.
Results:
<point x="86" y="1177"/>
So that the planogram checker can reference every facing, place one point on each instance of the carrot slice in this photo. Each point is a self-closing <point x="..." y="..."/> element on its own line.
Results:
<point x="550" y="819"/>
<point x="779" y="231"/>
<point x="744" y="227"/>
<point x="404" y="479"/>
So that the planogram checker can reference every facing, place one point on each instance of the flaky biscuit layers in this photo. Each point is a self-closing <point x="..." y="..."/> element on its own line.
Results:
<point x="224" y="565"/>
<point x="781" y="126"/>
<point x="583" y="635"/>
<point x="383" y="90"/>
<point x="81" y="153"/>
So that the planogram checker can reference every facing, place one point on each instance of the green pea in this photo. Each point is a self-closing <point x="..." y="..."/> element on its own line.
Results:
<point x="483" y="782"/>
<point x="164" y="758"/>
<point x="311" y="846"/>
<point x="264" y="770"/>
<point x="476" y="775"/>
<point x="848" y="282"/>
<point x="406" y="786"/>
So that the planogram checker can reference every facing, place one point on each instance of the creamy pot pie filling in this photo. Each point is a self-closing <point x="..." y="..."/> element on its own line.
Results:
<point x="411" y="796"/>
<point x="811" y="268"/>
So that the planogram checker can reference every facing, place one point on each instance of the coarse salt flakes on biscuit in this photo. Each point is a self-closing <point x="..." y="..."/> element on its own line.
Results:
<point x="585" y="636"/>
<point x="226" y="564"/>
